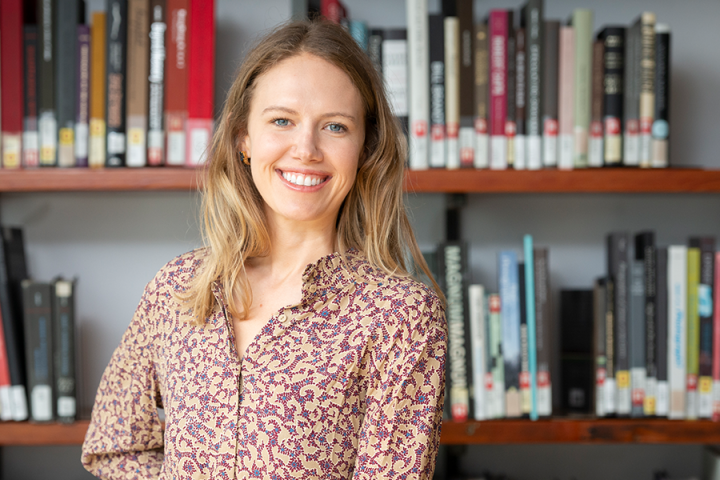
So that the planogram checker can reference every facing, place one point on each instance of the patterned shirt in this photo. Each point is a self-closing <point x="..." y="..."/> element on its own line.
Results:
<point x="348" y="383"/>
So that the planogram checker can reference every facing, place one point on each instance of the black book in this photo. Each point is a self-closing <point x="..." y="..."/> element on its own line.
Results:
<point x="645" y="252"/>
<point x="63" y="348"/>
<point x="531" y="19"/>
<point x="662" y="402"/>
<point x="467" y="82"/>
<point x="525" y="394"/>
<point x="375" y="40"/>
<point x="599" y="343"/>
<point x="156" y="91"/>
<point x="661" y="126"/>
<point x="37" y="305"/>
<point x="613" y="39"/>
<point x="116" y="81"/>
<point x="66" y="44"/>
<point x="437" y="90"/>
<point x="551" y="59"/>
<point x="30" y="117"/>
<point x="47" y="121"/>
<point x="576" y="351"/>
<point x="637" y="332"/>
<point x="544" y="327"/>
<point x="705" y="309"/>
<point x="618" y="273"/>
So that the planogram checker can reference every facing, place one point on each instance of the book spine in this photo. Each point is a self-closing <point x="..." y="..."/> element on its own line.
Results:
<point x="631" y="137"/>
<point x="98" y="76"/>
<point x="116" y="82"/>
<point x="595" y="147"/>
<point x="47" y="120"/>
<point x="636" y="330"/>
<point x="716" y="343"/>
<point x="532" y="21"/>
<point x="613" y="39"/>
<point x="662" y="404"/>
<point x="705" y="310"/>
<point x="359" y="31"/>
<point x="647" y="86"/>
<point x="566" y="98"/>
<point x="155" y="140"/>
<point x="437" y="91"/>
<point x="419" y="82"/>
<point x="509" y="296"/>
<point x="38" y="348"/>
<point x="661" y="126"/>
<point x="610" y="390"/>
<point x="176" y="81"/>
<point x="677" y="328"/>
<point x="30" y="145"/>
<point x="498" y="88"/>
<point x="693" y="328"/>
<point x="583" y="24"/>
<point x="452" y="91"/>
<point x="466" y="136"/>
<point x="201" y="81"/>
<point x="137" y="82"/>
<point x="599" y="297"/>
<point x="11" y="71"/>
<point x="510" y="89"/>
<point x="531" y="324"/>
<point x="82" y="107"/>
<point x="550" y="91"/>
<point x="576" y="350"/>
<point x="395" y="72"/>
<point x="375" y="41"/>
<point x="478" y="341"/>
<point x="63" y="347"/>
<point x="543" y="331"/>
<point x="5" y="384"/>
<point x="520" y="96"/>
<point x="482" y="146"/>
<point x="619" y="271"/>
<point x="645" y="245"/>
<point x="495" y="377"/>
<point x="524" y="374"/>
<point x="66" y="44"/>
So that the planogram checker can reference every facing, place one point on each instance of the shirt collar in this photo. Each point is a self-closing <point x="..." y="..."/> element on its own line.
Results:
<point x="330" y="274"/>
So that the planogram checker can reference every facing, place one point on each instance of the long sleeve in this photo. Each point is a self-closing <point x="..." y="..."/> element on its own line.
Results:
<point x="125" y="437"/>
<point x="400" y="432"/>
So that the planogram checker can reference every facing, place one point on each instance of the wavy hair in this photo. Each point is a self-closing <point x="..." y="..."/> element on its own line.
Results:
<point x="372" y="218"/>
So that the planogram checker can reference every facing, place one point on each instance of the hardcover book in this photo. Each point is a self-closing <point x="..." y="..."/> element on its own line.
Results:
<point x="30" y="142"/>
<point x="482" y="146"/>
<point x="452" y="84"/>
<point x="705" y="310"/>
<point x="11" y="71"/>
<point x="495" y="376"/>
<point x="419" y="84"/>
<point x="63" y="348"/>
<point x="646" y="70"/>
<point x="631" y="136"/>
<point x="677" y="277"/>
<point x="637" y="333"/>
<point x="531" y="19"/>
<point x="645" y="251"/>
<point x="510" y="88"/>
<point x="375" y="41"/>
<point x="661" y="126"/>
<point x="582" y="22"/>
<point x="478" y="342"/>
<point x="566" y="110"/>
<point x="156" y="88"/>
<point x="66" y="84"/>
<point x="510" y="298"/>
<point x="98" y="74"/>
<point x="599" y="341"/>
<point x="395" y="72"/>
<point x="716" y="343"/>
<point x="82" y="105"/>
<point x="595" y="147"/>
<point x="498" y="27"/>
<point x="531" y="381"/>
<point x="138" y="43"/>
<point x="47" y="120"/>
<point x="693" y="328"/>
<point x="613" y="39"/>
<point x="116" y="82"/>
<point x="618" y="271"/>
<point x="662" y="403"/>
<point x="576" y="350"/>
<point x="550" y="93"/>
<point x="176" y="81"/>
<point x="466" y="136"/>
<point x="520" y="96"/>
<point x="543" y="331"/>
<point x="437" y="91"/>
<point x="37" y="305"/>
<point x="525" y="394"/>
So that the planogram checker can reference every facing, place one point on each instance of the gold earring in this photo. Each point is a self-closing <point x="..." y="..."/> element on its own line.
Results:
<point x="245" y="158"/>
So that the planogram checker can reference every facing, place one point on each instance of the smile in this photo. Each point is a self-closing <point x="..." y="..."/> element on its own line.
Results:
<point x="304" y="180"/>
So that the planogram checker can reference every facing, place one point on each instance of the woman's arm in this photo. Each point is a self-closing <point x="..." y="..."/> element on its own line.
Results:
<point x="401" y="429"/>
<point x="125" y="437"/>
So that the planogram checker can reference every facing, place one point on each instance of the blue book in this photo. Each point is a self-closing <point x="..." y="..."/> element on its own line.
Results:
<point x="510" y="311"/>
<point x="530" y="309"/>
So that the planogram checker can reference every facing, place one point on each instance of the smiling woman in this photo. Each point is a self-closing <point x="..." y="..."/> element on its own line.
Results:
<point x="296" y="344"/>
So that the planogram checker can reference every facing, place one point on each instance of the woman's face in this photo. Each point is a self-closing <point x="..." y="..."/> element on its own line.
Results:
<point x="306" y="129"/>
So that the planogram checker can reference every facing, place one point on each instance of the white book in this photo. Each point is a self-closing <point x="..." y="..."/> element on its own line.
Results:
<point x="476" y="297"/>
<point x="419" y="83"/>
<point x="452" y="90"/>
<point x="520" y="152"/>
<point x="482" y="146"/>
<point x="662" y="399"/>
<point x="677" y="329"/>
<point x="534" y="152"/>
<point x="136" y="141"/>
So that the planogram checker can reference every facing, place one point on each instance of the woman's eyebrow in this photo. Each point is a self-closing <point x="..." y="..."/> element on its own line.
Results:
<point x="290" y="111"/>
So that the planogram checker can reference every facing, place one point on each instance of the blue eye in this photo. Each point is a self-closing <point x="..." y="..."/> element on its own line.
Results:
<point x="281" y="122"/>
<point x="336" y="128"/>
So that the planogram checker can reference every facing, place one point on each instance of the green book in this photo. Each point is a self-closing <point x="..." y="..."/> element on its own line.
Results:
<point x="693" y="328"/>
<point x="582" y="22"/>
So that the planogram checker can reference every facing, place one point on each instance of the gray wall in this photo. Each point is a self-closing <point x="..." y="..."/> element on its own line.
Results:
<point x="115" y="242"/>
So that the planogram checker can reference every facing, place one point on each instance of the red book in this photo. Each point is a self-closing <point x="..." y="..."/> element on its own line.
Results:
<point x="716" y="343"/>
<point x="498" y="88"/>
<point x="11" y="80"/>
<point x="332" y="10"/>
<point x="5" y="402"/>
<point x="176" y="79"/>
<point x="201" y="65"/>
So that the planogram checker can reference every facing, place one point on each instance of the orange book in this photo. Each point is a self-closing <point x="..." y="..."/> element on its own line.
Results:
<point x="98" y="39"/>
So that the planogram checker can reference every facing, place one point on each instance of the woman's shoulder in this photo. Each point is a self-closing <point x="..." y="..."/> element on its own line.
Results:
<point x="178" y="273"/>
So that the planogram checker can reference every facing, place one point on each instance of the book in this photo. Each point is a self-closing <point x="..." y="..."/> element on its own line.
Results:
<point x="576" y="350"/>
<point x="478" y="343"/>
<point x="637" y="332"/>
<point x="582" y="22"/>
<point x="82" y="105"/>
<point x="482" y="146"/>
<point x="705" y="311"/>
<point x="138" y="62"/>
<point x="466" y="135"/>
<point x="66" y="79"/>
<point x="116" y="82"/>
<point x="610" y="386"/>
<point x="176" y="81"/>
<point x="510" y="298"/>
<point x="531" y="19"/>
<point x="692" y="361"/>
<point x="595" y="146"/>
<point x="599" y="341"/>
<point x="520" y="96"/>
<point x="156" y="87"/>
<point x="498" y="28"/>
<point x="662" y="403"/>
<point x="646" y="71"/>
<point x="395" y="72"/>
<point x="98" y="73"/>
<point x="437" y="91"/>
<point x="418" y="84"/>
<point x="47" y="120"/>
<point x="524" y="377"/>
<point x="566" y="110"/>
<point x="451" y="27"/>
<point x="37" y="310"/>
<point x="646" y="253"/>
<point x="6" y="410"/>
<point x="63" y="348"/>
<point x="495" y="374"/>
<point x="375" y="41"/>
<point x="661" y="126"/>
<point x="11" y="78"/>
<point x="631" y="99"/>
<point x="716" y="343"/>
<point x="201" y="60"/>
<point x="543" y="331"/>
<point x="551" y="60"/>
<point x="510" y="89"/>
<point x="13" y="270"/>
<point x="618" y="271"/>
<point x="531" y="381"/>
<point x="30" y="142"/>
<point x="677" y="277"/>
<point x="359" y="31"/>
<point x="613" y="39"/>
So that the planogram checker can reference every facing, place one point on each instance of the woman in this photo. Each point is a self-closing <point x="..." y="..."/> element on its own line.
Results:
<point x="296" y="345"/>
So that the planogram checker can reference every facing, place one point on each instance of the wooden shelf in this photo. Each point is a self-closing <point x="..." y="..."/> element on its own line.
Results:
<point x="615" y="180"/>
<point x="24" y="433"/>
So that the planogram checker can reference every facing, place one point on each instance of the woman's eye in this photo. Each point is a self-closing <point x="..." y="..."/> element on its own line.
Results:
<point x="336" y="128"/>
<point x="281" y="122"/>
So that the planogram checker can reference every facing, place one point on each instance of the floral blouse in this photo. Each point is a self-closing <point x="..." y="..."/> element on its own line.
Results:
<point x="346" y="384"/>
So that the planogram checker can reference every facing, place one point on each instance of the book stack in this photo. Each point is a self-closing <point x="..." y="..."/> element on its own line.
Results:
<point x="131" y="87"/>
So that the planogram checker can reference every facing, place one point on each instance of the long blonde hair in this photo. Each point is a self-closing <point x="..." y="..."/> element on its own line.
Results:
<point x="372" y="218"/>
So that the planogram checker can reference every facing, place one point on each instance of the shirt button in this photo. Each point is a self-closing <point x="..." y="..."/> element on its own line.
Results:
<point x="282" y="318"/>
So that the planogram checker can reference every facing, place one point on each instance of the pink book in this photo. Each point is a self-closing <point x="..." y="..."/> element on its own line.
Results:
<point x="498" y="88"/>
<point x="716" y="344"/>
<point x="566" y="95"/>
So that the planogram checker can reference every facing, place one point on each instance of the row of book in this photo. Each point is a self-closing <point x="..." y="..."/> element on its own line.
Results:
<point x="134" y="87"/>
<point x="645" y="341"/>
<point x="520" y="91"/>
<point x="37" y="340"/>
